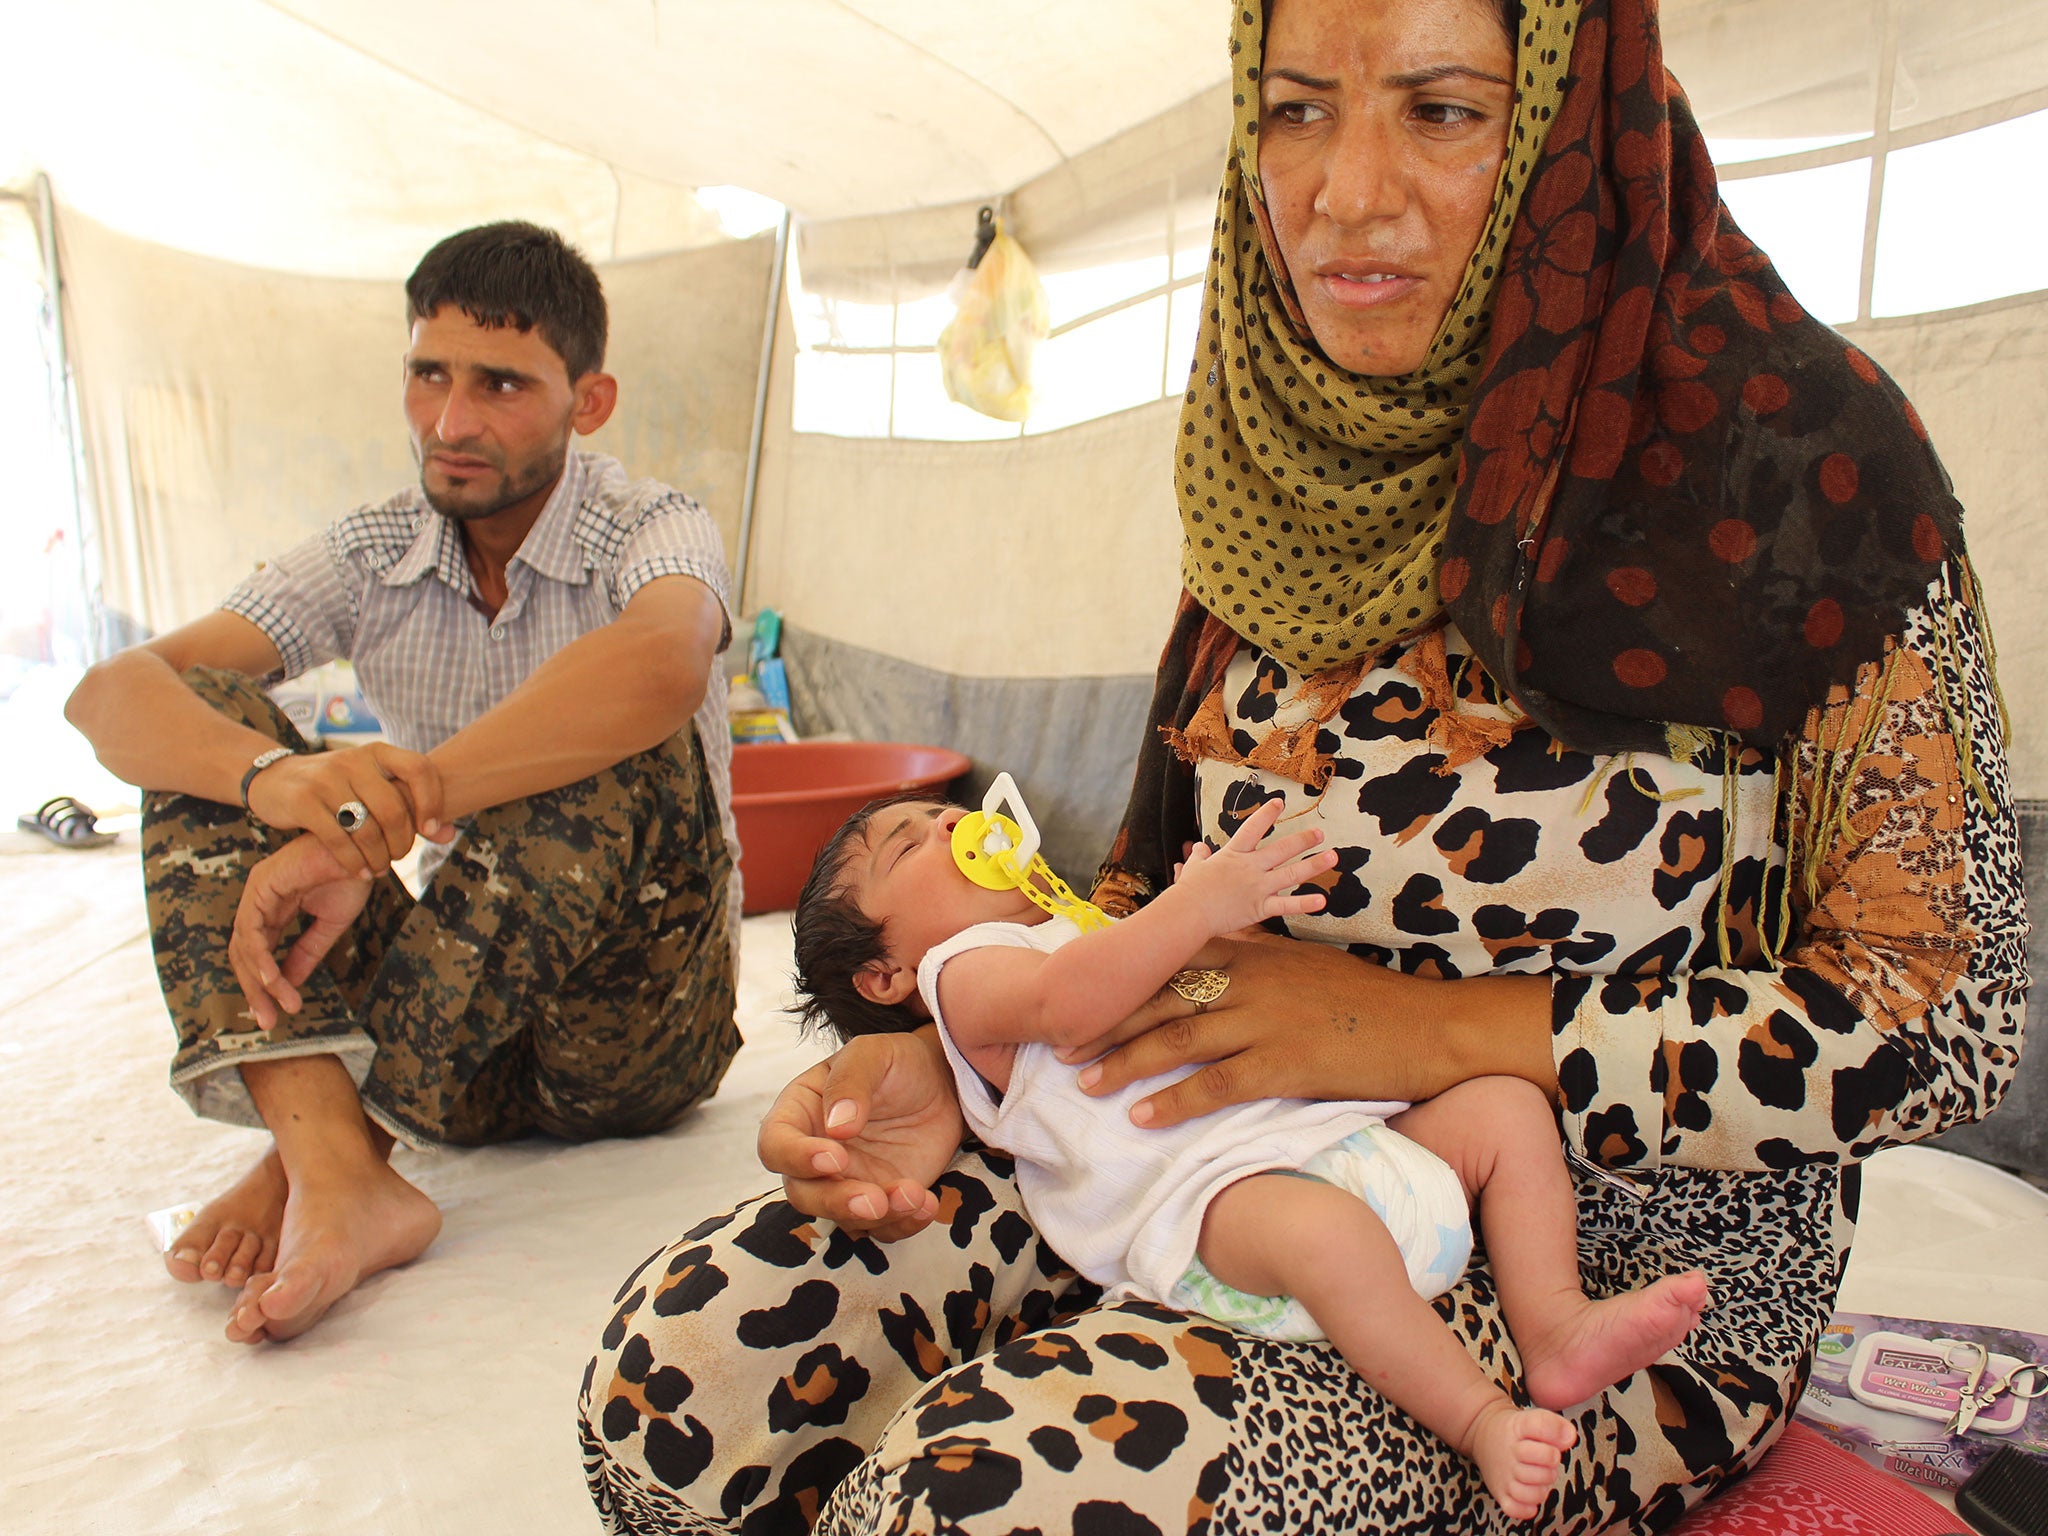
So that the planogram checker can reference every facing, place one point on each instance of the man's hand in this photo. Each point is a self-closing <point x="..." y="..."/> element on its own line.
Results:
<point x="860" y="1138"/>
<point x="302" y="876"/>
<point x="400" y="789"/>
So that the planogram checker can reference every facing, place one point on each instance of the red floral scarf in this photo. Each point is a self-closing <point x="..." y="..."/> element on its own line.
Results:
<point x="1682" y="499"/>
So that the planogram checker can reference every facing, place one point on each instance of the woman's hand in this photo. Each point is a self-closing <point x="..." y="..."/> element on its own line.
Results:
<point x="861" y="1137"/>
<point x="1309" y="1021"/>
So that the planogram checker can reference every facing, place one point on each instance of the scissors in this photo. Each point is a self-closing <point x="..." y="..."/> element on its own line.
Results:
<point x="2028" y="1379"/>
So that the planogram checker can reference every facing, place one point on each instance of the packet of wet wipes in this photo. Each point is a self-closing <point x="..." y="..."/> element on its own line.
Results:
<point x="165" y="1225"/>
<point x="1885" y="1388"/>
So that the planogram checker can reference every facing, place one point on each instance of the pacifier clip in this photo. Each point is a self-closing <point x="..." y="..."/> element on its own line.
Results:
<point x="1000" y="852"/>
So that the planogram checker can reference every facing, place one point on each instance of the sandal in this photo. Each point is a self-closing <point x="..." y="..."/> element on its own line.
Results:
<point x="66" y="822"/>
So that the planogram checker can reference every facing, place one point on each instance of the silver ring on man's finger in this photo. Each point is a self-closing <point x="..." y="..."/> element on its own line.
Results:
<point x="353" y="814"/>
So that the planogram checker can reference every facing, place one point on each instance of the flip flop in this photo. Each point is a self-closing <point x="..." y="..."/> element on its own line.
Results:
<point x="66" y="822"/>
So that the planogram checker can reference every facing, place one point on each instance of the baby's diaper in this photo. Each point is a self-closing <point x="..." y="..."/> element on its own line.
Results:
<point x="1408" y="1186"/>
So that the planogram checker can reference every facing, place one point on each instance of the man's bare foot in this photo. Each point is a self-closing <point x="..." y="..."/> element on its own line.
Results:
<point x="235" y="1234"/>
<point x="1520" y="1452"/>
<point x="1607" y="1340"/>
<point x="342" y="1224"/>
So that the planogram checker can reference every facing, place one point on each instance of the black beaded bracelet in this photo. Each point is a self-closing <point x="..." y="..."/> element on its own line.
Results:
<point x="263" y="761"/>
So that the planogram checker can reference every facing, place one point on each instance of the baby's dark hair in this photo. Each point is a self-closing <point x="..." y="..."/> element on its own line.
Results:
<point x="835" y="940"/>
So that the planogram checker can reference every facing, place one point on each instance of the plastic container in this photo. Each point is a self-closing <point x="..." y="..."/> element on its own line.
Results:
<point x="790" y="797"/>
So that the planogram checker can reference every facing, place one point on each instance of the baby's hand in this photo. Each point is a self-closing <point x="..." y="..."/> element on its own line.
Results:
<point x="1252" y="877"/>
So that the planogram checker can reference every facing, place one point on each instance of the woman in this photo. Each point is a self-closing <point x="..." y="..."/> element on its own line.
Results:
<point x="1612" y="617"/>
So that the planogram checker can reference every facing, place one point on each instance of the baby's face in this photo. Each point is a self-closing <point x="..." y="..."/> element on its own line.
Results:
<point x="904" y="877"/>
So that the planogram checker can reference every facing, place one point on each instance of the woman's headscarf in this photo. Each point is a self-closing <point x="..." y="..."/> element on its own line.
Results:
<point x="1315" y="500"/>
<point x="1649" y="488"/>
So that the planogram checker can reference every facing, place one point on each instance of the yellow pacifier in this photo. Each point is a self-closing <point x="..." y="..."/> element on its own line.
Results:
<point x="1001" y="853"/>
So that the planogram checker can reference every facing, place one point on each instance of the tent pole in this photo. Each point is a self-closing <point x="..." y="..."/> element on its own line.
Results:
<point x="768" y="330"/>
<point x="67" y="405"/>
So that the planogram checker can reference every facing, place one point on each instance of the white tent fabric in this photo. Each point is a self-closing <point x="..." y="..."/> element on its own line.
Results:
<point x="1766" y="69"/>
<point x="1101" y="206"/>
<point x="340" y="136"/>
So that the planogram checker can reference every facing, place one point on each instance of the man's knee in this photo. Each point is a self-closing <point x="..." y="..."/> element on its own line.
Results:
<point x="174" y="820"/>
<point x="243" y="699"/>
<point x="638" y="1086"/>
<point x="647" y="825"/>
<point x="634" y="789"/>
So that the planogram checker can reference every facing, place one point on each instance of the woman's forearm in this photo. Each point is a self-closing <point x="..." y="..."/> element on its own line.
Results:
<point x="1409" y="1037"/>
<point x="1310" y="1021"/>
<point x="1499" y="1026"/>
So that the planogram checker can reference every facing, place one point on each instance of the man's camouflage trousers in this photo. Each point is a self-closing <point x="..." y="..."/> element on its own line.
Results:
<point x="568" y="968"/>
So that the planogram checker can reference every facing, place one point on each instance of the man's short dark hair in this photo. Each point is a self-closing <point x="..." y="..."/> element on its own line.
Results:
<point x="835" y="940"/>
<point x="520" y="275"/>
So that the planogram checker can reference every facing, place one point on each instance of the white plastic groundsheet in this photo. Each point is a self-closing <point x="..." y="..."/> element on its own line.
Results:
<point x="437" y="1398"/>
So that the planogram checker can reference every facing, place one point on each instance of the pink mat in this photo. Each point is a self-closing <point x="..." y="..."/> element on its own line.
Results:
<point x="1808" y="1486"/>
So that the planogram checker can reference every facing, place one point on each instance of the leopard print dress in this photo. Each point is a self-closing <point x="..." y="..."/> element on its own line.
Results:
<point x="1721" y="1073"/>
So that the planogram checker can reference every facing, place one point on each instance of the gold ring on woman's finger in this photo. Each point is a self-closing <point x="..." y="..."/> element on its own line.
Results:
<point x="351" y="815"/>
<point x="1200" y="987"/>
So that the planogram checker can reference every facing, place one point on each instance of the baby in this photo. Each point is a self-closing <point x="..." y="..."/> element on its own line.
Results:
<point x="1288" y="1218"/>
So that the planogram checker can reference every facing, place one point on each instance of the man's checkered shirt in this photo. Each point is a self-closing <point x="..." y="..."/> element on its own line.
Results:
<point x="388" y="588"/>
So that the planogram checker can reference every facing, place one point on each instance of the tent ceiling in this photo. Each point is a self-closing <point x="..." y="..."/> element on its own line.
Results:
<point x="341" y="137"/>
<point x="238" y="127"/>
<point x="835" y="107"/>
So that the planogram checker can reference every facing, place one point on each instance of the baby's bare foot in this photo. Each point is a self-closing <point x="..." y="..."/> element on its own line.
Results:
<point x="235" y="1233"/>
<point x="1611" y="1339"/>
<point x="1520" y="1452"/>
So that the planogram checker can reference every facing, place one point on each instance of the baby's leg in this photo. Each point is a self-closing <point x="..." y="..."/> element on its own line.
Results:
<point x="1280" y="1235"/>
<point x="1498" y="1134"/>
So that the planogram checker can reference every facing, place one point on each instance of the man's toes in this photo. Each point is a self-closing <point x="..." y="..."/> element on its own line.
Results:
<point x="292" y="1293"/>
<point x="220" y="1253"/>
<point x="246" y="1323"/>
<point x="243" y="1262"/>
<point x="189" y="1249"/>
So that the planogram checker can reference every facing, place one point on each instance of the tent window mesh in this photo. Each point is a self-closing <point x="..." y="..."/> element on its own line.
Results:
<point x="1881" y="185"/>
<point x="1123" y="335"/>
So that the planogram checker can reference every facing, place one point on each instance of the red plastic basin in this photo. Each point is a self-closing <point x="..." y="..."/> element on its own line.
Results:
<point x="789" y="797"/>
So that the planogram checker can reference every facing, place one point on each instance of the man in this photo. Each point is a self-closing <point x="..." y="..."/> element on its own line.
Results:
<point x="538" y="636"/>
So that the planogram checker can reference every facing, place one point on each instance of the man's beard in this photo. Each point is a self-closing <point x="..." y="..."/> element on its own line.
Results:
<point x="516" y="486"/>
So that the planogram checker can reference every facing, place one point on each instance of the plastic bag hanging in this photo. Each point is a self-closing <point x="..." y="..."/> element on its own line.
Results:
<point x="985" y="353"/>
